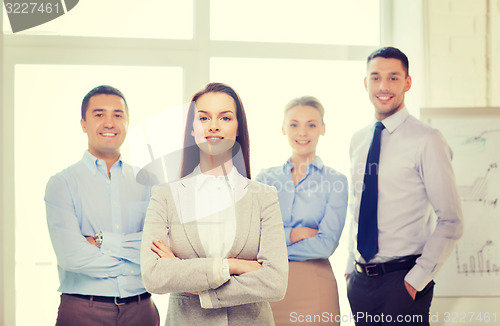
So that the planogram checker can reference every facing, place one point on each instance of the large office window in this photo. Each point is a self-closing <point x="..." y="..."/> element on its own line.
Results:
<point x="159" y="53"/>
<point x="266" y="85"/>
<point x="296" y="21"/>
<point x="158" y="19"/>
<point x="48" y="138"/>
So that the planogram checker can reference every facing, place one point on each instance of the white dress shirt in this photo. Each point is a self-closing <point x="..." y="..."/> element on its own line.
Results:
<point x="415" y="179"/>
<point x="215" y="214"/>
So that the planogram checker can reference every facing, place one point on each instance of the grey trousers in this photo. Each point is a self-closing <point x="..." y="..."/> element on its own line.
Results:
<point x="74" y="311"/>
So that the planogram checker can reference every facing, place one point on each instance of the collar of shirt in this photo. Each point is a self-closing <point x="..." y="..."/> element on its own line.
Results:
<point x="95" y="164"/>
<point x="392" y="122"/>
<point x="206" y="180"/>
<point x="317" y="163"/>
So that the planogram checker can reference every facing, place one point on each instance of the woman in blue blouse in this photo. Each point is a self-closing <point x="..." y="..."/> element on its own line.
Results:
<point x="313" y="203"/>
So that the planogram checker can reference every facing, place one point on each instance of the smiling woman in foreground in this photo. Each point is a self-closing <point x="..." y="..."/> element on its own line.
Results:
<point x="214" y="239"/>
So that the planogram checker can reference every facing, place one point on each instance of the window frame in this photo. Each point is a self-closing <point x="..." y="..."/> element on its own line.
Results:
<point x="192" y="55"/>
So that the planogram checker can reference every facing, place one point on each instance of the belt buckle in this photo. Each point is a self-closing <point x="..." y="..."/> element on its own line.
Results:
<point x="367" y="269"/>
<point x="119" y="303"/>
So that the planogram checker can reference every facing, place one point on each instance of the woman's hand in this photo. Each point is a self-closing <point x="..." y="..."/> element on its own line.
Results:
<point x="162" y="249"/>
<point x="241" y="266"/>
<point x="299" y="234"/>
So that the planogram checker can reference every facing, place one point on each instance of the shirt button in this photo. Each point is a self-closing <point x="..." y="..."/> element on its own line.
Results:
<point x="135" y="259"/>
<point x="109" y="251"/>
<point x="117" y="226"/>
<point x="114" y="203"/>
<point x="108" y="182"/>
<point x="106" y="274"/>
<point x="132" y="272"/>
<point x="122" y="290"/>
<point x="98" y="162"/>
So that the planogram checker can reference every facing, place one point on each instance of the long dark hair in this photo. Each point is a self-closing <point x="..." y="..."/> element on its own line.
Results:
<point x="191" y="152"/>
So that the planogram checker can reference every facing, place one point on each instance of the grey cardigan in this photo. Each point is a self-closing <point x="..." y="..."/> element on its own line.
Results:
<point x="244" y="299"/>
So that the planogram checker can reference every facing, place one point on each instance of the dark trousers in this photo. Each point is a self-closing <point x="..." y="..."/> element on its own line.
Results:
<point x="384" y="300"/>
<point x="74" y="311"/>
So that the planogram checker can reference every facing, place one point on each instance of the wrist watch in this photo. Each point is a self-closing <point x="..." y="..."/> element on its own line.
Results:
<point x="98" y="239"/>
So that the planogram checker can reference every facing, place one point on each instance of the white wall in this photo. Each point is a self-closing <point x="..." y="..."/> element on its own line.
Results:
<point x="495" y="47"/>
<point x="446" y="43"/>
<point x="456" y="50"/>
<point x="458" y="47"/>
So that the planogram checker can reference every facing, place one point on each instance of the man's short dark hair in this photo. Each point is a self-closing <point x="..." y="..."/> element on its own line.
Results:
<point x="102" y="89"/>
<point x="390" y="52"/>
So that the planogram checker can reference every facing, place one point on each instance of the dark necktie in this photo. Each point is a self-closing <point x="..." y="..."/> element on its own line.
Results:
<point x="367" y="223"/>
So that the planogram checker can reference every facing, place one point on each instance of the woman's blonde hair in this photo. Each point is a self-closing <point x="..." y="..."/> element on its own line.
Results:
<point x="306" y="101"/>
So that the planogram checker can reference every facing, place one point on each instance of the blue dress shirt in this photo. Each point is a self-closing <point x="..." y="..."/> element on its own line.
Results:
<point x="82" y="201"/>
<point x="318" y="201"/>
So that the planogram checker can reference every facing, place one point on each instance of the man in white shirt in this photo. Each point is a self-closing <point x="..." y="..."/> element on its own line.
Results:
<point x="395" y="251"/>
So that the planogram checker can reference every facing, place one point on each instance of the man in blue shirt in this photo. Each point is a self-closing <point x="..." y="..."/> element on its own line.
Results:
<point x="95" y="214"/>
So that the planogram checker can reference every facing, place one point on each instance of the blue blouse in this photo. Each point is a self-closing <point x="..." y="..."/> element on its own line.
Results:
<point x="82" y="201"/>
<point x="319" y="201"/>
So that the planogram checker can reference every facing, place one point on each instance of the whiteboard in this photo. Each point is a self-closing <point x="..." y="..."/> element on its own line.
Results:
<point x="473" y="268"/>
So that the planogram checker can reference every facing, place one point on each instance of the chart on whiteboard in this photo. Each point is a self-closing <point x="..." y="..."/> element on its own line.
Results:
<point x="473" y="269"/>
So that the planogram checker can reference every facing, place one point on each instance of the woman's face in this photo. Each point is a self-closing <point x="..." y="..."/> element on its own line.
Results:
<point x="303" y="125"/>
<point x="215" y="125"/>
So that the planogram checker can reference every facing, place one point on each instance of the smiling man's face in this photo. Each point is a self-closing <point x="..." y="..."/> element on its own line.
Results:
<point x="386" y="82"/>
<point x="106" y="123"/>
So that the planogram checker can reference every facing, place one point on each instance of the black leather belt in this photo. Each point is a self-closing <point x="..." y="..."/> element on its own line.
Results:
<point x="403" y="263"/>
<point x="117" y="301"/>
